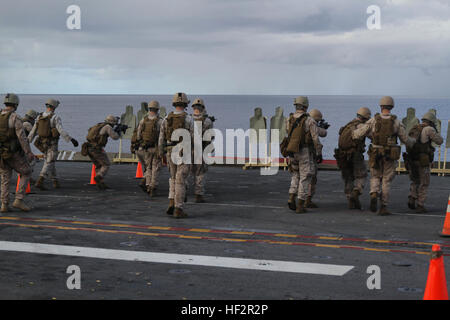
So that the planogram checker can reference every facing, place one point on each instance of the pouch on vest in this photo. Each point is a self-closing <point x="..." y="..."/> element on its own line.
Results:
<point x="40" y="146"/>
<point x="84" y="149"/>
<point x="299" y="138"/>
<point x="43" y="128"/>
<point x="55" y="133"/>
<point x="395" y="153"/>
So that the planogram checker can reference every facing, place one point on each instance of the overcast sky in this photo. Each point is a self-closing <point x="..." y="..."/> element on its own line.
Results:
<point x="226" y="46"/>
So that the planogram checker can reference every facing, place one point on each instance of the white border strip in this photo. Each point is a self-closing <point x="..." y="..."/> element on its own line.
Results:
<point x="157" y="257"/>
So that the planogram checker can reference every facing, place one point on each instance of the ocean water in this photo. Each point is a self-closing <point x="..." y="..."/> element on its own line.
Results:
<point x="80" y="112"/>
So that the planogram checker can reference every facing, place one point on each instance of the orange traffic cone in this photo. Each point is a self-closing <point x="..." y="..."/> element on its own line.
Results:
<point x="436" y="284"/>
<point x="93" y="175"/>
<point x="446" y="231"/>
<point x="139" y="173"/>
<point x="18" y="182"/>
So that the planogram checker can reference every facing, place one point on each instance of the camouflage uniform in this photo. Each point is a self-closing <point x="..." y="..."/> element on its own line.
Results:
<point x="383" y="171"/>
<point x="149" y="157"/>
<point x="98" y="155"/>
<point x="178" y="173"/>
<point x="199" y="170"/>
<point x="355" y="173"/>
<point x="312" y="190"/>
<point x="51" y="153"/>
<point x="17" y="162"/>
<point x="303" y="163"/>
<point x="419" y="173"/>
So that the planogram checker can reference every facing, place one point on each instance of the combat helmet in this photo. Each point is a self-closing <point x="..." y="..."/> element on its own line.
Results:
<point x="111" y="119"/>
<point x="301" y="101"/>
<point x="179" y="99"/>
<point x="198" y="102"/>
<point x="316" y="114"/>
<point x="153" y="105"/>
<point x="364" y="113"/>
<point x="11" y="99"/>
<point x="32" y="114"/>
<point x="387" y="102"/>
<point x="52" y="103"/>
<point x="430" y="117"/>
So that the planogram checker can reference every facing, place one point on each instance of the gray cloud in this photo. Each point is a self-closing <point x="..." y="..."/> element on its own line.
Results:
<point x="214" y="46"/>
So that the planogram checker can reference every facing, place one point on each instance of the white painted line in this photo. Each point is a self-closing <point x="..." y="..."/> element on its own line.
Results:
<point x="71" y="155"/>
<point x="171" y="258"/>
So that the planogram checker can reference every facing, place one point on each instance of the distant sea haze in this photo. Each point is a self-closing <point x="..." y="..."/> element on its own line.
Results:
<point x="80" y="112"/>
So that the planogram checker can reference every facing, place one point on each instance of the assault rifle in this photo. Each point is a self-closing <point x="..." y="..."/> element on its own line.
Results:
<point x="323" y="124"/>
<point x="120" y="128"/>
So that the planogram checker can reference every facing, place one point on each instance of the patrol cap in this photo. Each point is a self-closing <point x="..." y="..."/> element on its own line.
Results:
<point x="364" y="112"/>
<point x="153" y="105"/>
<point x="11" y="98"/>
<point x="32" y="114"/>
<point x="52" y="103"/>
<point x="180" y="98"/>
<point x="316" y="114"/>
<point x="302" y="101"/>
<point x="198" y="103"/>
<point x="387" y="101"/>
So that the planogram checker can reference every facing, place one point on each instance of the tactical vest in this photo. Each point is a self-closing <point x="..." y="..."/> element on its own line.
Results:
<point x="299" y="137"/>
<point x="174" y="122"/>
<point x="95" y="138"/>
<point x="8" y="138"/>
<point x="346" y="141"/>
<point x="45" y="130"/>
<point x="384" y="134"/>
<point x="419" y="148"/>
<point x="150" y="133"/>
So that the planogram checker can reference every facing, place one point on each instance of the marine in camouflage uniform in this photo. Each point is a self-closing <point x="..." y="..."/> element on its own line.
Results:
<point x="15" y="154"/>
<point x="179" y="173"/>
<point x="48" y="127"/>
<point x="147" y="137"/>
<point x="350" y="158"/>
<point x="384" y="130"/>
<point x="198" y="170"/>
<point x="419" y="158"/>
<point x="305" y="151"/>
<point x="317" y="116"/>
<point x="97" y="139"/>
<point x="28" y="122"/>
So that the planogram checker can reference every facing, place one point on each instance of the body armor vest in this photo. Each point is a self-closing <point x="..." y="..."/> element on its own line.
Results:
<point x="419" y="148"/>
<point x="150" y="133"/>
<point x="8" y="138"/>
<point x="384" y="134"/>
<point x="346" y="141"/>
<point x="95" y="138"/>
<point x="299" y="137"/>
<point x="174" y="122"/>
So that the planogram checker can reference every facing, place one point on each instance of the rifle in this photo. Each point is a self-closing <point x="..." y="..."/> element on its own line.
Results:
<point x="119" y="127"/>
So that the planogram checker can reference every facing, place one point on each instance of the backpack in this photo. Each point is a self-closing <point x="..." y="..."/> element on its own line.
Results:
<point x="346" y="142"/>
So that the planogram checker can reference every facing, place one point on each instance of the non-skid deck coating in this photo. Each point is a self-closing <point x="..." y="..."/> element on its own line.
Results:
<point x="245" y="218"/>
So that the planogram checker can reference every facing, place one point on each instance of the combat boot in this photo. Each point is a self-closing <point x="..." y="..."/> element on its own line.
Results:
<point x="179" y="214"/>
<point x="421" y="209"/>
<point x="373" y="202"/>
<point x="5" y="208"/>
<point x="291" y="202"/>
<point x="310" y="204"/>
<point x="19" y="204"/>
<point x="301" y="206"/>
<point x="40" y="184"/>
<point x="411" y="203"/>
<point x="151" y="192"/>
<point x="56" y="184"/>
<point x="383" y="211"/>
<point x="355" y="197"/>
<point x="199" y="199"/>
<point x="171" y="207"/>
<point x="142" y="185"/>
<point x="351" y="203"/>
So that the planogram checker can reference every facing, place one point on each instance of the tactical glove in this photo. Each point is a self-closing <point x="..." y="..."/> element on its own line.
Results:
<point x="74" y="142"/>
